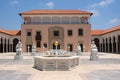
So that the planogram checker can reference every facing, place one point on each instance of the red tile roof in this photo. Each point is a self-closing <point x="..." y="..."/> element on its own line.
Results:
<point x="96" y="32"/>
<point x="15" y="32"/>
<point x="10" y="32"/>
<point x="37" y="12"/>
<point x="101" y="32"/>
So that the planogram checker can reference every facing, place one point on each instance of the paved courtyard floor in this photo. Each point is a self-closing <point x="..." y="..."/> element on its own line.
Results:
<point x="107" y="68"/>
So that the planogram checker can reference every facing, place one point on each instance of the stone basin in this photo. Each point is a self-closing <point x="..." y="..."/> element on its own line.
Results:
<point x="55" y="63"/>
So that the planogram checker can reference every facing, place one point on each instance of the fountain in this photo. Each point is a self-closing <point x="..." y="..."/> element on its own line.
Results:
<point x="56" y="60"/>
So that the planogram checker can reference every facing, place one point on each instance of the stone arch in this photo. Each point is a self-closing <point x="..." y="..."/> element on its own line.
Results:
<point x="103" y="45"/>
<point x="106" y="44"/>
<point x="15" y="41"/>
<point x="97" y="42"/>
<point x="1" y="45"/>
<point x="114" y="44"/>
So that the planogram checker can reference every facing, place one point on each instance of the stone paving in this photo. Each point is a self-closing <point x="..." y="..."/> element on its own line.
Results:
<point x="106" y="68"/>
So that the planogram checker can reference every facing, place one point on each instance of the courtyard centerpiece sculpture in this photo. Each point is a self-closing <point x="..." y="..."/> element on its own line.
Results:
<point x="18" y="55"/>
<point x="94" y="52"/>
<point x="56" y="59"/>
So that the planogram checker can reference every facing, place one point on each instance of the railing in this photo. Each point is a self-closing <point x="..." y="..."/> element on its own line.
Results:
<point x="56" y="23"/>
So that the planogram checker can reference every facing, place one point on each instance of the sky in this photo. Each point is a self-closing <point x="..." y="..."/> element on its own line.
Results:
<point x="106" y="13"/>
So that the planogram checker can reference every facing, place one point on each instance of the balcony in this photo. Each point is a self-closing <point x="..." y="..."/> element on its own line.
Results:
<point x="56" y="22"/>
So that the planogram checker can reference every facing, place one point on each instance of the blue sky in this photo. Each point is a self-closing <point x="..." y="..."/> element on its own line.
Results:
<point x="106" y="12"/>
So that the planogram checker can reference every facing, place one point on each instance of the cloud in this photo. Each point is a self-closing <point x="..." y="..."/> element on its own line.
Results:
<point x="102" y="3"/>
<point x="13" y="2"/>
<point x="50" y="5"/>
<point x="113" y="21"/>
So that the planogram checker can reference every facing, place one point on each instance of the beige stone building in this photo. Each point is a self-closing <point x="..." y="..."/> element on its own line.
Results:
<point x="107" y="40"/>
<point x="8" y="40"/>
<point x="68" y="27"/>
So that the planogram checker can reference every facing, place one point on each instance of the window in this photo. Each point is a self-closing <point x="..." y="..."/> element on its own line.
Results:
<point x="80" y="32"/>
<point x="38" y="33"/>
<point x="56" y="33"/>
<point x="28" y="33"/>
<point x="69" y="32"/>
<point x="38" y="44"/>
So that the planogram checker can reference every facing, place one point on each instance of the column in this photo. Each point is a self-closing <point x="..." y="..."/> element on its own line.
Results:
<point x="101" y="47"/>
<point x="0" y="45"/>
<point x="6" y="46"/>
<point x="79" y="19"/>
<point x="51" y="19"/>
<point x="40" y="19"/>
<point x="3" y="45"/>
<point x="60" y="19"/>
<point x="31" y="20"/>
<point x="70" y="19"/>
<point x="108" y="46"/>
<point x="116" y="41"/>
<point x="105" y="46"/>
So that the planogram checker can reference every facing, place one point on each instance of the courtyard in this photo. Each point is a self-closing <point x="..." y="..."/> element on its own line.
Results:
<point x="106" y="68"/>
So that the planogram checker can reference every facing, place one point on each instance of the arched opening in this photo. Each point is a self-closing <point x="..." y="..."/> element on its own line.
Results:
<point x="8" y="45"/>
<point x="97" y="43"/>
<point x="103" y="45"/>
<point x="5" y="45"/>
<point x="15" y="41"/>
<point x="106" y="45"/>
<point x="114" y="45"/>
<point x="1" y="45"/>
<point x="119" y="44"/>
<point x="110" y="45"/>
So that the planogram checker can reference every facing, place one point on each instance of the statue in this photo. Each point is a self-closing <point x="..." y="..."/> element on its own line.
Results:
<point x="94" y="52"/>
<point x="79" y="49"/>
<point x="18" y="55"/>
<point x="33" y="50"/>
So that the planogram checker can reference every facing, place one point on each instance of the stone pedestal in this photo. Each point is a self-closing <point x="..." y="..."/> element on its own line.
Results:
<point x="56" y="63"/>
<point x="18" y="57"/>
<point x="94" y="55"/>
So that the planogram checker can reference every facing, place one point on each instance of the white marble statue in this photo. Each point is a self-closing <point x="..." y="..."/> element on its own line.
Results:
<point x="18" y="55"/>
<point x="33" y="50"/>
<point x="94" y="52"/>
<point x="79" y="49"/>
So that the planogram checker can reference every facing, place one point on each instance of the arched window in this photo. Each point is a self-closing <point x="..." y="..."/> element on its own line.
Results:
<point x="97" y="43"/>
<point x="15" y="41"/>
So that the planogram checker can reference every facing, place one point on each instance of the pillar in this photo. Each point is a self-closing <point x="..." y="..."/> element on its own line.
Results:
<point x="79" y="19"/>
<point x="0" y="45"/>
<point x="3" y="46"/>
<point x="70" y="19"/>
<point x="51" y="19"/>
<point x="6" y="46"/>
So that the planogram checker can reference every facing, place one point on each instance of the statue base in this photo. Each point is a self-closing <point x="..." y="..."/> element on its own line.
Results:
<point x="94" y="55"/>
<point x="18" y="57"/>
